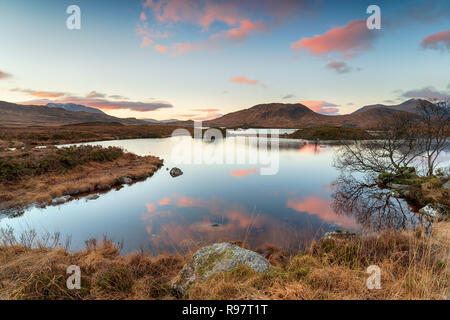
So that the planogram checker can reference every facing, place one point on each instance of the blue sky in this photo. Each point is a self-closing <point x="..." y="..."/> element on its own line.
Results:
<point x="199" y="59"/>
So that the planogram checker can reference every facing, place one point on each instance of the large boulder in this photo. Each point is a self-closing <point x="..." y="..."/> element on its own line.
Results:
<point x="219" y="257"/>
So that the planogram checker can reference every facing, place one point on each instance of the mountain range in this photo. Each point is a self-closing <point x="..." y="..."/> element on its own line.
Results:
<point x="18" y="115"/>
<point x="270" y="115"/>
<point x="281" y="115"/>
<point x="74" y="107"/>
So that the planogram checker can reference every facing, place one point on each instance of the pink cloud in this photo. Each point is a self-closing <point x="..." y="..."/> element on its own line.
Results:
<point x="147" y="35"/>
<point x="321" y="106"/>
<point x="182" y="48"/>
<point x="236" y="15"/>
<point x="143" y="16"/>
<point x="244" y="30"/>
<point x="437" y="41"/>
<point x="41" y="94"/>
<point x="243" y="172"/>
<point x="162" y="49"/>
<point x="347" y="40"/>
<point x="164" y="201"/>
<point x="245" y="80"/>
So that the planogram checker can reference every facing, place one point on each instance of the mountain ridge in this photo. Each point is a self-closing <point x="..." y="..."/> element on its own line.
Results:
<point x="16" y="115"/>
<point x="285" y="115"/>
<point x="74" y="107"/>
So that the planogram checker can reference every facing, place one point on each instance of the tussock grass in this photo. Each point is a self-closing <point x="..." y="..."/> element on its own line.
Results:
<point x="40" y="175"/>
<point x="19" y="165"/>
<point x="413" y="266"/>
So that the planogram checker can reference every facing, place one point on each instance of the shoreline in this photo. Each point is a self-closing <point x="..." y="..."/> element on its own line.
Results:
<point x="83" y="180"/>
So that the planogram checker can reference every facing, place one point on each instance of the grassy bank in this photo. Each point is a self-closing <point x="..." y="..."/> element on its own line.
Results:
<point x="14" y="137"/>
<point x="412" y="267"/>
<point x="330" y="133"/>
<point x="40" y="175"/>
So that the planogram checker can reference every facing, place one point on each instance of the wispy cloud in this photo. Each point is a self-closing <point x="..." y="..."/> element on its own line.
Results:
<point x="347" y="41"/>
<point x="4" y="75"/>
<point x="426" y="93"/>
<point x="437" y="41"/>
<point x="93" y="99"/>
<point x="95" y="94"/>
<point x="340" y="67"/>
<point x="41" y="94"/>
<point x="245" y="80"/>
<point x="238" y="20"/>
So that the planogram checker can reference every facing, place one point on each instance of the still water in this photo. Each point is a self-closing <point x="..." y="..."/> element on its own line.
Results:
<point x="208" y="203"/>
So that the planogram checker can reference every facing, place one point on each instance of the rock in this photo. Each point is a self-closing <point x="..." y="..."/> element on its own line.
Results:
<point x="102" y="187"/>
<point x="92" y="197"/>
<point x="435" y="211"/>
<point x="60" y="200"/>
<point x="175" y="172"/>
<point x="17" y="214"/>
<point x="215" y="224"/>
<point x="446" y="185"/>
<point x="73" y="192"/>
<point x="219" y="257"/>
<point x="339" y="234"/>
<point x="125" y="180"/>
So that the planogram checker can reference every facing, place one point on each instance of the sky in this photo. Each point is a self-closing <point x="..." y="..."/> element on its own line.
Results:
<point x="189" y="59"/>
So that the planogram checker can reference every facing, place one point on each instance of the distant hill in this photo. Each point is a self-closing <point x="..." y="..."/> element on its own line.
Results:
<point x="161" y="121"/>
<point x="408" y="106"/>
<point x="74" y="107"/>
<point x="17" y="115"/>
<point x="280" y="115"/>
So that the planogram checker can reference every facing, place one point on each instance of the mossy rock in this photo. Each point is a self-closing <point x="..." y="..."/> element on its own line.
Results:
<point x="219" y="257"/>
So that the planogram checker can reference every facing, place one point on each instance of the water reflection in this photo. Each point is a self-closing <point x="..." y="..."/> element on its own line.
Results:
<point x="210" y="203"/>
<point x="373" y="208"/>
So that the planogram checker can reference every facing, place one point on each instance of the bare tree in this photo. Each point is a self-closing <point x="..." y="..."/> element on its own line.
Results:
<point x="434" y="131"/>
<point x="372" y="207"/>
<point x="397" y="148"/>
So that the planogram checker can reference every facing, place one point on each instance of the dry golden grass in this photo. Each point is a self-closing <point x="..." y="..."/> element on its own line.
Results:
<point x="88" y="177"/>
<point x="411" y="268"/>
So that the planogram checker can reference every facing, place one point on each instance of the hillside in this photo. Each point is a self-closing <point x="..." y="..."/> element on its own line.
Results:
<point x="408" y="106"/>
<point x="18" y="115"/>
<point x="279" y="115"/>
<point x="74" y="107"/>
